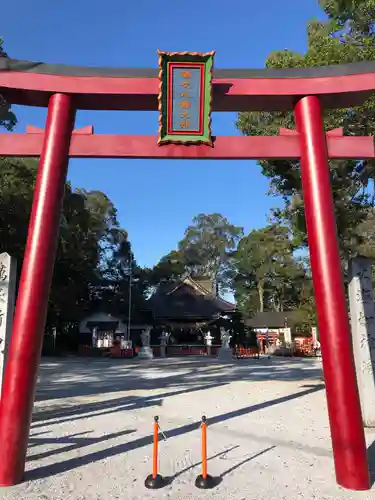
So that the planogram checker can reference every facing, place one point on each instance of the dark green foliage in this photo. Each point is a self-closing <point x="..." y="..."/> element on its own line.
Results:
<point x="346" y="37"/>
<point x="205" y="251"/>
<point x="8" y="119"/>
<point x="93" y="257"/>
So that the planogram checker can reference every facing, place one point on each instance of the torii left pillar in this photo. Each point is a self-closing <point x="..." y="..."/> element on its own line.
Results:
<point x="18" y="390"/>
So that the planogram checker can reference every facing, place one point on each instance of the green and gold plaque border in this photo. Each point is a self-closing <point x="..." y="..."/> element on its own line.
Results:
<point x="165" y="92"/>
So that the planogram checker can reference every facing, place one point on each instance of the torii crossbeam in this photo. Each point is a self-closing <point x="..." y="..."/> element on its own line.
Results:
<point x="286" y="146"/>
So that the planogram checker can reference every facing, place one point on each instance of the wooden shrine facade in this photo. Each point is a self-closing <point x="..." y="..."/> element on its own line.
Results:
<point x="188" y="308"/>
<point x="190" y="302"/>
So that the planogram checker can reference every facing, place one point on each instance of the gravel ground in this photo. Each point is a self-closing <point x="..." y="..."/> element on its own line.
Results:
<point x="268" y="435"/>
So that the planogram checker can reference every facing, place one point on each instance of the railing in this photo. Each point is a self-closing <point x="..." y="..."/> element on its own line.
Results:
<point x="247" y="352"/>
<point x="171" y="350"/>
<point x="89" y="351"/>
<point x="191" y="350"/>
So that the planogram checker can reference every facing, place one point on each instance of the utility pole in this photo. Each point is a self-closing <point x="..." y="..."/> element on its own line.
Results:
<point x="129" y="295"/>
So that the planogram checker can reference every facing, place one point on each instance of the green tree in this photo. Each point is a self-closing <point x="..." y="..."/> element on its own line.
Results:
<point x="171" y="267"/>
<point x="77" y="253"/>
<point x="76" y="265"/>
<point x="111" y="267"/>
<point x="267" y="276"/>
<point x="93" y="250"/>
<point x="347" y="36"/>
<point x="304" y="315"/>
<point x="123" y="282"/>
<point x="358" y="14"/>
<point x="8" y="119"/>
<point x="207" y="246"/>
<point x="17" y="181"/>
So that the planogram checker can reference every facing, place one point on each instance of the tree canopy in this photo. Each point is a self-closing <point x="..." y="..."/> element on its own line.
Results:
<point x="263" y="268"/>
<point x="95" y="266"/>
<point x="264" y="265"/>
<point x="8" y="119"/>
<point x="93" y="254"/>
<point x="266" y="269"/>
<point x="207" y="245"/>
<point x="347" y="36"/>
<point x="204" y="251"/>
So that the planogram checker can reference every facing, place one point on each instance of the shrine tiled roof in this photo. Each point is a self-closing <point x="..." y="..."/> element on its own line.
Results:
<point x="271" y="319"/>
<point x="187" y="299"/>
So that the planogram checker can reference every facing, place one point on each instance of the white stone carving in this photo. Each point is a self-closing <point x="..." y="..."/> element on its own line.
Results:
<point x="126" y="344"/>
<point x="164" y="337"/>
<point x="208" y="338"/>
<point x="225" y="352"/>
<point x="8" y="276"/>
<point x="225" y="338"/>
<point x="287" y="335"/>
<point x="314" y="334"/>
<point x="146" y="351"/>
<point x="362" y="317"/>
<point x="145" y="337"/>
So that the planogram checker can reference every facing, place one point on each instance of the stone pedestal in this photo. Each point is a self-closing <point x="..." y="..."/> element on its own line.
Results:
<point x="362" y="316"/>
<point x="8" y="276"/>
<point x="145" y="353"/>
<point x="225" y="353"/>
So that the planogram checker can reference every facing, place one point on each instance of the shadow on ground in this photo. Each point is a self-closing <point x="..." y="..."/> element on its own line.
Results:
<point x="73" y="441"/>
<point x="371" y="462"/>
<point x="61" y="414"/>
<point x="60" y="379"/>
<point x="85" y="377"/>
<point x="72" y="463"/>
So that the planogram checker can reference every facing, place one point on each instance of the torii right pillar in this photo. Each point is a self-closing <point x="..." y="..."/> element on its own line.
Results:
<point x="344" y="410"/>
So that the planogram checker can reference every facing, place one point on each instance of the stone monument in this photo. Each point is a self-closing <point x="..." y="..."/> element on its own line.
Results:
<point x="287" y="335"/>
<point x="314" y="334"/>
<point x="362" y="317"/>
<point x="95" y="337"/>
<point x="208" y="341"/>
<point x="8" y="277"/>
<point x="163" y="343"/>
<point x="146" y="351"/>
<point x="225" y="352"/>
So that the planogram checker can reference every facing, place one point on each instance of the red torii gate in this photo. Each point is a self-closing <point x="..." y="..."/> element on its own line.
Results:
<point x="65" y="89"/>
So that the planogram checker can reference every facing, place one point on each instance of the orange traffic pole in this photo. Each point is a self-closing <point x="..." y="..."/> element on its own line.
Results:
<point x="155" y="449"/>
<point x="155" y="481"/>
<point x="204" y="447"/>
<point x="204" y="481"/>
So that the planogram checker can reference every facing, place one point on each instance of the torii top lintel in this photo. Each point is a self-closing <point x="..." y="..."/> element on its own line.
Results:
<point x="32" y="83"/>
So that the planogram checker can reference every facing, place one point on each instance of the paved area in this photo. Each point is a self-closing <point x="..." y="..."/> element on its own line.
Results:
<point x="268" y="435"/>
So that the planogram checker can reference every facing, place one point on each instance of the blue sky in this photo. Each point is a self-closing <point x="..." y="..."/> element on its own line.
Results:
<point x="156" y="200"/>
